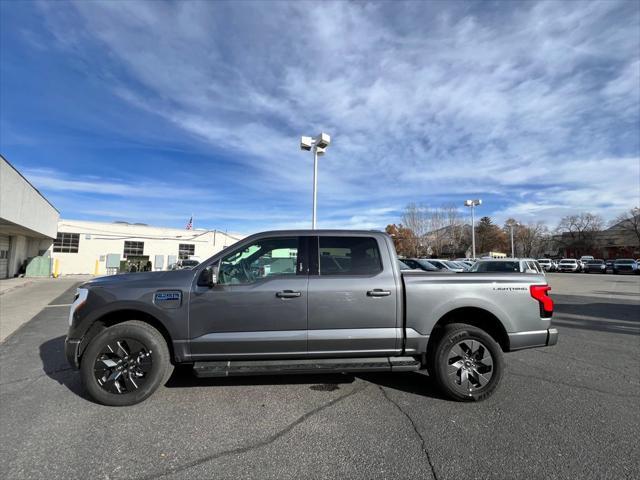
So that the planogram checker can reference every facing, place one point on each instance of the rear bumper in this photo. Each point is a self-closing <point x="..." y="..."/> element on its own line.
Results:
<point x="533" y="339"/>
<point x="72" y="351"/>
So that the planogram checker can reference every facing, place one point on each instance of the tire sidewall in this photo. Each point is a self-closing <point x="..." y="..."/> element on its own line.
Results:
<point x="145" y="334"/>
<point x="451" y="336"/>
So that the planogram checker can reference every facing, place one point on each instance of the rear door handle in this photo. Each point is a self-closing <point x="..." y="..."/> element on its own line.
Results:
<point x="288" y="294"/>
<point x="378" y="292"/>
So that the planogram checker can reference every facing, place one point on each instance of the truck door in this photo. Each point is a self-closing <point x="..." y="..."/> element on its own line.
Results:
<point x="258" y="308"/>
<point x="353" y="298"/>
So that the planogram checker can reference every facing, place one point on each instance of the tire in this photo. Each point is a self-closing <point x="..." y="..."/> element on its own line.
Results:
<point x="134" y="344"/>
<point x="453" y="345"/>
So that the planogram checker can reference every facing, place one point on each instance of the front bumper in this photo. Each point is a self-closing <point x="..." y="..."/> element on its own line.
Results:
<point x="533" y="339"/>
<point x="72" y="351"/>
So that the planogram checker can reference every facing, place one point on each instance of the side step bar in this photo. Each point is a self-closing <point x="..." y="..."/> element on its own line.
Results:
<point x="273" y="367"/>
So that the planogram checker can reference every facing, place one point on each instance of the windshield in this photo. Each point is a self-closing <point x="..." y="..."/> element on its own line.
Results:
<point x="595" y="262"/>
<point x="567" y="261"/>
<point x="625" y="261"/>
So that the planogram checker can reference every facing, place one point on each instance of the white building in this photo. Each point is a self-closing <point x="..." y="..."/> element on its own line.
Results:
<point x="28" y="222"/>
<point x="98" y="248"/>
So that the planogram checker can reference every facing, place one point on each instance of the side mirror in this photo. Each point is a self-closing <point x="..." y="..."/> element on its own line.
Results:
<point x="209" y="276"/>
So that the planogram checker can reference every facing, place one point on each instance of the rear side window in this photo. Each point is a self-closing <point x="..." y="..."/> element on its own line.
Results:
<point x="349" y="256"/>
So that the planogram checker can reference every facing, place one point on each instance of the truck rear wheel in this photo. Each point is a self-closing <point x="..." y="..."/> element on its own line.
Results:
<point x="124" y="364"/>
<point x="466" y="362"/>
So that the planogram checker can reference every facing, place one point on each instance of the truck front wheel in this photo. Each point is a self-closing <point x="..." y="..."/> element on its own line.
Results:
<point x="124" y="364"/>
<point x="466" y="362"/>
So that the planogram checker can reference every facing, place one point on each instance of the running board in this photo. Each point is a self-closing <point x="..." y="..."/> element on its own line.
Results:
<point x="279" y="367"/>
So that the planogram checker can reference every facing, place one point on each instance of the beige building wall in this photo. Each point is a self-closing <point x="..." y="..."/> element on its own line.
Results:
<point x="28" y="222"/>
<point x="99" y="239"/>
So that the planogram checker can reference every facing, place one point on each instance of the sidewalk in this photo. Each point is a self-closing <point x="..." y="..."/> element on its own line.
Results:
<point x="22" y="298"/>
<point x="8" y="284"/>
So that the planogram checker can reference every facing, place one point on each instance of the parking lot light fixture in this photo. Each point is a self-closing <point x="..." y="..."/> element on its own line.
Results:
<point x="473" y="204"/>
<point x="511" y="227"/>
<point x="318" y="146"/>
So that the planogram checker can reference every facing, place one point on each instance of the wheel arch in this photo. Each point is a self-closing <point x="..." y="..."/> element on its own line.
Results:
<point x="477" y="317"/>
<point x="116" y="317"/>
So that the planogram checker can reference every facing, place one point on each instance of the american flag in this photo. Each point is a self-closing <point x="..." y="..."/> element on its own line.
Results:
<point x="190" y="223"/>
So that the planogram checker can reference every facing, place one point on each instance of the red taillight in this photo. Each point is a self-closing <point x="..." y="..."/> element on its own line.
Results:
<point x="539" y="292"/>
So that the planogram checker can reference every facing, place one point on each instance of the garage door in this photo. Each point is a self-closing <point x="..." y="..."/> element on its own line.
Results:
<point x="4" y="256"/>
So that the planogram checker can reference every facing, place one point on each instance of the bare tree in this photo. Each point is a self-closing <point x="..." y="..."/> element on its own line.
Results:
<point x="629" y="221"/>
<point x="579" y="231"/>
<point x="455" y="224"/>
<point x="530" y="238"/>
<point x="437" y="233"/>
<point x="416" y="219"/>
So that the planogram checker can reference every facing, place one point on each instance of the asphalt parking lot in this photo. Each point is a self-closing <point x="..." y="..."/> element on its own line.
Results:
<point x="570" y="411"/>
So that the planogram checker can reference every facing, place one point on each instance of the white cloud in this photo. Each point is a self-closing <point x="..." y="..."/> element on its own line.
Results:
<point x="54" y="181"/>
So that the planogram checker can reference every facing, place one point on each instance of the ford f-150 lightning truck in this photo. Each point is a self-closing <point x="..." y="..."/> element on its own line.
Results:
<point x="304" y="301"/>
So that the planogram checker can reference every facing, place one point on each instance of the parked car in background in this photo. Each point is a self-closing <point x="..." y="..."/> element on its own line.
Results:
<point x="185" y="264"/>
<point x="464" y="265"/>
<point x="443" y="265"/>
<point x="420" y="264"/>
<point x="468" y="261"/>
<point x="569" y="265"/>
<point x="519" y="265"/>
<point x="547" y="264"/>
<point x="403" y="266"/>
<point x="584" y="259"/>
<point x="440" y="265"/>
<point x="625" y="265"/>
<point x="453" y="266"/>
<point x="595" y="266"/>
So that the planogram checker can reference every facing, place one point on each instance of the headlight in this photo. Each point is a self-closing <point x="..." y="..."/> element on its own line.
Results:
<point x="78" y="301"/>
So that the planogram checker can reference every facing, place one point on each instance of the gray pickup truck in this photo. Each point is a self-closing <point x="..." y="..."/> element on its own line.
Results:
<point x="304" y="301"/>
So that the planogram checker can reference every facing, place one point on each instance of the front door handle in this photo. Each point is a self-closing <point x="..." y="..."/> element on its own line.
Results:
<point x="378" y="292"/>
<point x="288" y="294"/>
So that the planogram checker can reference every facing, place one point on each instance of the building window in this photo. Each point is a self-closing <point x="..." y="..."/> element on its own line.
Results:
<point x="186" y="250"/>
<point x="133" y="249"/>
<point x="66" y="242"/>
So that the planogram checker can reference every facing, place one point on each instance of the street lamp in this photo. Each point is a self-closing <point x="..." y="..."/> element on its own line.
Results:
<point x="511" y="225"/>
<point x="318" y="145"/>
<point x="473" y="204"/>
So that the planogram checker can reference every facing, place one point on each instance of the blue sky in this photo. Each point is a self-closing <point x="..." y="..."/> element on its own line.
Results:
<point x="149" y="112"/>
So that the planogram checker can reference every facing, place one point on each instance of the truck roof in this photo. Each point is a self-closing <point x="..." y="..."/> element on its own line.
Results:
<point x="322" y="232"/>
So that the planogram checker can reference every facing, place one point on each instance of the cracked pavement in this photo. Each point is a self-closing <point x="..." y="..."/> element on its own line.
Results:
<point x="571" y="411"/>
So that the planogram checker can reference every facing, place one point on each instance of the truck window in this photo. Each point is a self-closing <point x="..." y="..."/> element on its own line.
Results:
<point x="265" y="258"/>
<point x="349" y="256"/>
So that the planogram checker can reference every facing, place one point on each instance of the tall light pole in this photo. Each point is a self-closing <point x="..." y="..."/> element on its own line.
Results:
<point x="473" y="204"/>
<point x="513" y="250"/>
<point x="318" y="146"/>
